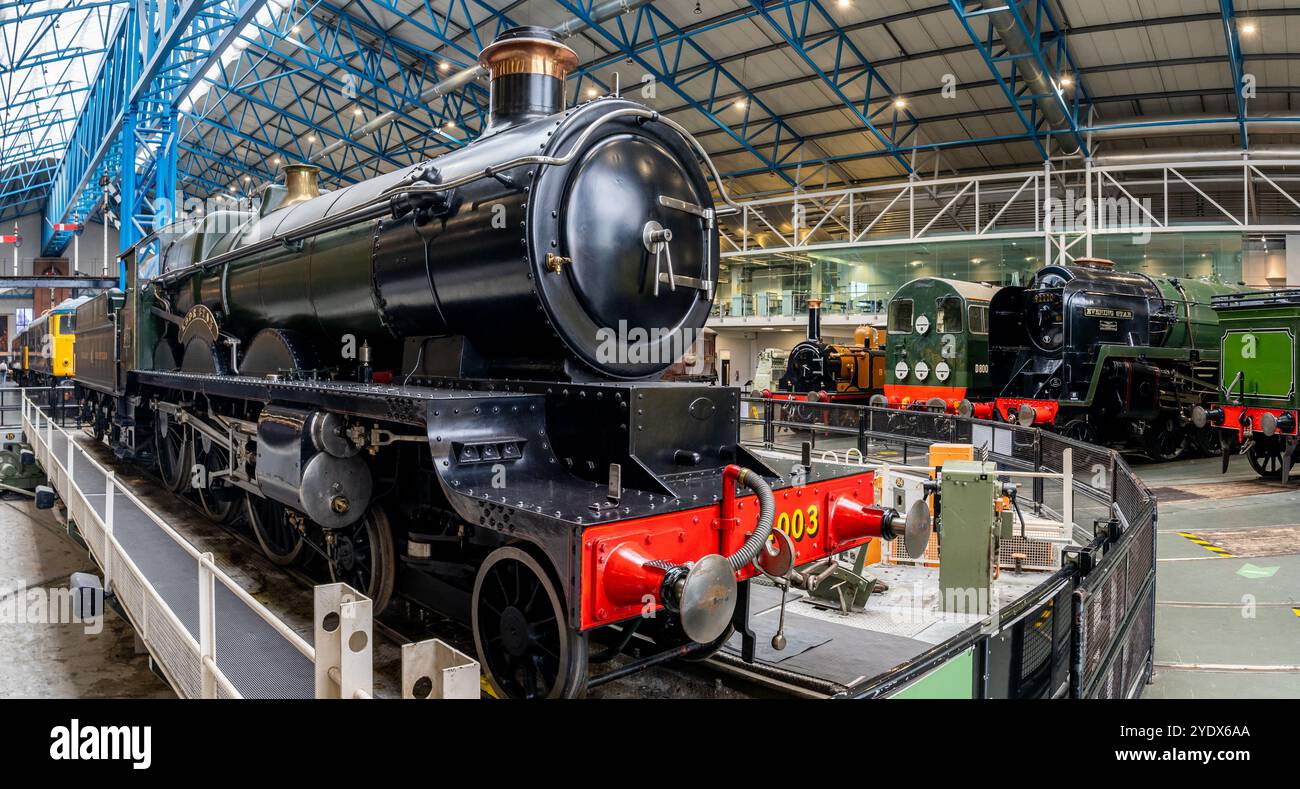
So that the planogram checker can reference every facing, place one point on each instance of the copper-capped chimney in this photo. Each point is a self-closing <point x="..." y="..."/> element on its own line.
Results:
<point x="528" y="66"/>
<point x="814" y="319"/>
<point x="301" y="183"/>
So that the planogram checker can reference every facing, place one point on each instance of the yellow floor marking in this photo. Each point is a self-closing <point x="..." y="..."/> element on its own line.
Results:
<point x="1204" y="543"/>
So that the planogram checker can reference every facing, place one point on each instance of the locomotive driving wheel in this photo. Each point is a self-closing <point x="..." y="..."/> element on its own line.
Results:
<point x="362" y="556"/>
<point x="215" y="496"/>
<point x="1164" y="438"/>
<point x="1265" y="457"/>
<point x="521" y="631"/>
<point x="1080" y="429"/>
<point x="280" y="538"/>
<point x="175" y="451"/>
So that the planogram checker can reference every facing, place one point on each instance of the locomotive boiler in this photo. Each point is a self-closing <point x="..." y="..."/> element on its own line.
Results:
<point x="434" y="384"/>
<point x="1105" y="356"/>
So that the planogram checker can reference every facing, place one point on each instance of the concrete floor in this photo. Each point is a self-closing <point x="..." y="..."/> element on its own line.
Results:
<point x="1227" y="624"/>
<point x="39" y="660"/>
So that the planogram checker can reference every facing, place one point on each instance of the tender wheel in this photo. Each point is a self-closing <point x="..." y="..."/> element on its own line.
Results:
<point x="362" y="556"/>
<point x="1164" y="439"/>
<point x="521" y="632"/>
<point x="280" y="539"/>
<point x="175" y="452"/>
<point x="1266" y="458"/>
<point x="99" y="422"/>
<point x="216" y="497"/>
<point x="1080" y="429"/>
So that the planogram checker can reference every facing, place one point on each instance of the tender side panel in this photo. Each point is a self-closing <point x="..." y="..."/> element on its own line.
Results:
<point x="95" y="348"/>
<point x="1263" y="359"/>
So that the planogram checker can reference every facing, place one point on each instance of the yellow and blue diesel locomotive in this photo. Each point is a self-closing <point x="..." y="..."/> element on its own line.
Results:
<point x="44" y="352"/>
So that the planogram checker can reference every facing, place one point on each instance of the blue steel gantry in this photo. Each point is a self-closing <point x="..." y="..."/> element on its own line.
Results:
<point x="199" y="98"/>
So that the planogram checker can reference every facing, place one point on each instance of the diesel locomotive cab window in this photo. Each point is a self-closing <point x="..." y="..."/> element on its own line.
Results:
<point x="979" y="319"/>
<point x="68" y="324"/>
<point x="900" y="317"/>
<point x="948" y="318"/>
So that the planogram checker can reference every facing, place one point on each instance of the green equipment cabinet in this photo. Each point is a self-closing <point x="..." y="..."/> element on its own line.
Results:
<point x="970" y="527"/>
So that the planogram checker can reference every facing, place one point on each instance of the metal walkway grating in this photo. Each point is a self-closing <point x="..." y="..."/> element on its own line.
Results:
<point x="254" y="657"/>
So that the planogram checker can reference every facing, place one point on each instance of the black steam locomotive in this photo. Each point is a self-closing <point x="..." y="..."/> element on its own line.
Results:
<point x="434" y="383"/>
<point x="817" y="370"/>
<point x="1104" y="356"/>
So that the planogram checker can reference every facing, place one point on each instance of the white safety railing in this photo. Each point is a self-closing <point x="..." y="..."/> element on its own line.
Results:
<point x="344" y="669"/>
<point x="1064" y="207"/>
<point x="190" y="665"/>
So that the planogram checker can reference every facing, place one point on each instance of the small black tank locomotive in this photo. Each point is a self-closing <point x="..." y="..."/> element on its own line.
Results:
<point x="817" y="370"/>
<point x="435" y="381"/>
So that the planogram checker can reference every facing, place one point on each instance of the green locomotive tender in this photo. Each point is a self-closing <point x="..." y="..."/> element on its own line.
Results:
<point x="1257" y="380"/>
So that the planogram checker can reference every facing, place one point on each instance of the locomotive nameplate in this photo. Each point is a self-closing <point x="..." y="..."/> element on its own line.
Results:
<point x="204" y="315"/>
<point x="1107" y="312"/>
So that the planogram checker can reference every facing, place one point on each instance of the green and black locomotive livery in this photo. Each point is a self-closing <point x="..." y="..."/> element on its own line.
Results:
<point x="1258" y="407"/>
<point x="1106" y="356"/>
<point x="937" y="346"/>
<point x="426" y="382"/>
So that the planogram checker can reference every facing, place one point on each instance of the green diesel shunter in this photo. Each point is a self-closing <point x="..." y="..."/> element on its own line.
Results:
<point x="937" y="348"/>
<point x="1258" y="405"/>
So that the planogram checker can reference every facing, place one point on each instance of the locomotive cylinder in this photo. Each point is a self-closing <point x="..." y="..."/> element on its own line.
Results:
<point x="305" y="460"/>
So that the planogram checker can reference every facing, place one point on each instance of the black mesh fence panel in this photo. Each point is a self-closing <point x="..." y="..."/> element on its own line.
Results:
<point x="1106" y="625"/>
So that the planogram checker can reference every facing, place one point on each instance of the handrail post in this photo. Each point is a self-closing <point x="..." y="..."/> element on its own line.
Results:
<point x="862" y="430"/>
<point x="110" y="491"/>
<point x="207" y="627"/>
<point x="1067" y="489"/>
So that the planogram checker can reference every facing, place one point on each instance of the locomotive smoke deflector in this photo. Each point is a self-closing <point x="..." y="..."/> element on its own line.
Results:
<point x="528" y="66"/>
